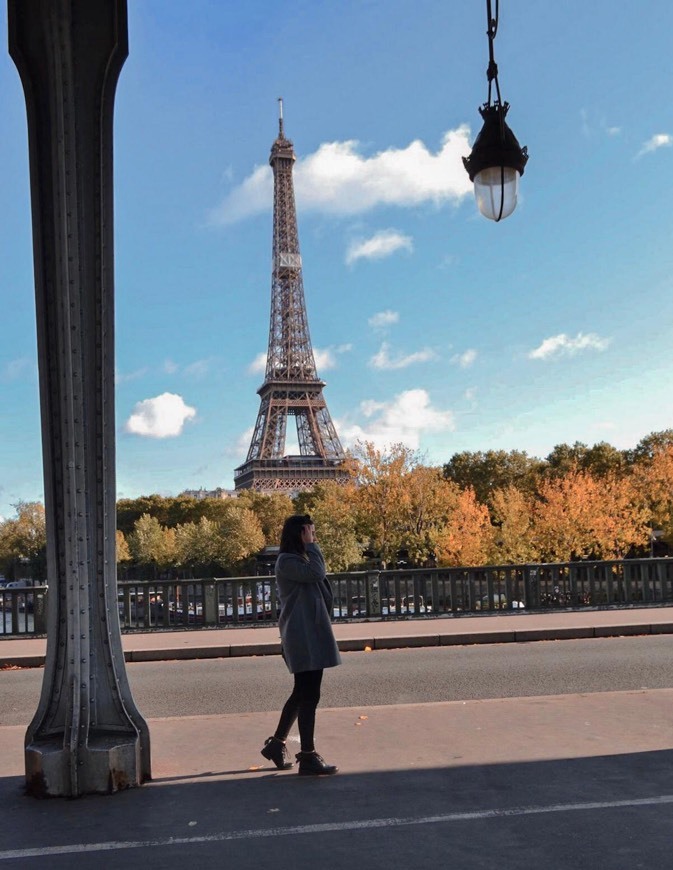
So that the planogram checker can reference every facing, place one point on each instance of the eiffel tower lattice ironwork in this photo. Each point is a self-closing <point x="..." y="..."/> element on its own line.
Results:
<point x="291" y="385"/>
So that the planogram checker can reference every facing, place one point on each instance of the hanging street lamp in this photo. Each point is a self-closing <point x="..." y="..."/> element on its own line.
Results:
<point x="497" y="160"/>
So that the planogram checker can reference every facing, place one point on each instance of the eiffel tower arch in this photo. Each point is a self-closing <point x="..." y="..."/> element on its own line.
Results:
<point x="291" y="385"/>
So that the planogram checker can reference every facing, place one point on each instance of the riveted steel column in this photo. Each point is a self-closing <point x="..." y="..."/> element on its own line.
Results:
<point x="87" y="735"/>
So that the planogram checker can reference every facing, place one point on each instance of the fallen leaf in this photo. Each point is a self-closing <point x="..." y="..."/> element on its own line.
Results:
<point x="363" y="717"/>
<point x="368" y="649"/>
<point x="255" y="767"/>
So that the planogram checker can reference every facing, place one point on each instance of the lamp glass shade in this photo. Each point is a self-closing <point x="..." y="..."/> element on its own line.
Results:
<point x="496" y="189"/>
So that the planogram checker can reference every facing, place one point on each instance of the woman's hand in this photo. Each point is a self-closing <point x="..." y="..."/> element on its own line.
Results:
<point x="308" y="534"/>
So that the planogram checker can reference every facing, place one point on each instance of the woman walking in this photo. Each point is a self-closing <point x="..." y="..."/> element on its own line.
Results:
<point x="307" y="640"/>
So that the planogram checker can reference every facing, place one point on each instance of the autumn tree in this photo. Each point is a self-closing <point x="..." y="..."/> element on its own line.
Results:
<point x="382" y="496"/>
<point x="122" y="548"/>
<point x="652" y="480"/>
<point x="513" y="540"/>
<point x="621" y="523"/>
<point x="431" y="502"/>
<point x="465" y="539"/>
<point x="23" y="541"/>
<point x="579" y="515"/>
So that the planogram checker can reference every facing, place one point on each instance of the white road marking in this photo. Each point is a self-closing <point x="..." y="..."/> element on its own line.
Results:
<point x="328" y="827"/>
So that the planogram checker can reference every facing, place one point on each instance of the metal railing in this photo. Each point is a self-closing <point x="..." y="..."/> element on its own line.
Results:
<point x="24" y="610"/>
<point x="385" y="595"/>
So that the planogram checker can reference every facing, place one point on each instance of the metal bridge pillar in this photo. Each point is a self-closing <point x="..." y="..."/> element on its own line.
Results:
<point x="87" y="735"/>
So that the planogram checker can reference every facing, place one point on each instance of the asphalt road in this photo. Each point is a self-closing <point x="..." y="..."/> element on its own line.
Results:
<point x="259" y="684"/>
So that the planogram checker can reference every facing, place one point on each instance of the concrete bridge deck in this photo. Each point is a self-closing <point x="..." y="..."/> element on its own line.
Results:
<point x="571" y="781"/>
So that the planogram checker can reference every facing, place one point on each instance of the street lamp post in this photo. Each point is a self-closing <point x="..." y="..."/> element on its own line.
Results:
<point x="497" y="160"/>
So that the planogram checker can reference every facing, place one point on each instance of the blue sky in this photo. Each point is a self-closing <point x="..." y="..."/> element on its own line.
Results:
<point x="431" y="325"/>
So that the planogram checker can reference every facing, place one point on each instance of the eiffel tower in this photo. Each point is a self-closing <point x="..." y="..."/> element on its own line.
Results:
<point x="291" y="385"/>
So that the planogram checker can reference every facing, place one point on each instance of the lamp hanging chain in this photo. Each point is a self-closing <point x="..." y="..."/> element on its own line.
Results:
<point x="492" y="71"/>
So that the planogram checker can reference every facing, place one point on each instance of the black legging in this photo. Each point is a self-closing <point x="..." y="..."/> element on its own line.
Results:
<point x="300" y="706"/>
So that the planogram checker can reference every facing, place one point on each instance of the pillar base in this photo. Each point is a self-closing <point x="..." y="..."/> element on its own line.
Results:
<point x="110" y="762"/>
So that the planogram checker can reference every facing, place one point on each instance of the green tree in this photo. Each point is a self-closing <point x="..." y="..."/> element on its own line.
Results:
<point x="601" y="460"/>
<point x="129" y="511"/>
<point x="197" y="544"/>
<point x="332" y="508"/>
<point x="150" y="543"/>
<point x="493" y="469"/>
<point x="211" y="545"/>
<point x="651" y="444"/>
<point x="271" y="511"/>
<point x="23" y="542"/>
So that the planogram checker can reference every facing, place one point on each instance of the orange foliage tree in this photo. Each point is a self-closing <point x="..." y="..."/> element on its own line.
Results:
<point x="383" y="496"/>
<point x="514" y="539"/>
<point x="578" y="516"/>
<point x="466" y="537"/>
<point x="653" y="483"/>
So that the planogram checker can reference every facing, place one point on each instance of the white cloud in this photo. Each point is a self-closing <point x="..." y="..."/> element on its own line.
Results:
<point x="586" y="129"/>
<point x="170" y="367"/>
<point x="258" y="365"/>
<point x="338" y="179"/>
<point x="161" y="417"/>
<point x="382" y="319"/>
<point x="324" y="359"/>
<point x="563" y="345"/>
<point x="464" y="360"/>
<point x="121" y="378"/>
<point x="382" y="359"/>
<point x="198" y="369"/>
<point x="659" y="140"/>
<point x="16" y="368"/>
<point x="242" y="445"/>
<point x="404" y="419"/>
<point x="380" y="245"/>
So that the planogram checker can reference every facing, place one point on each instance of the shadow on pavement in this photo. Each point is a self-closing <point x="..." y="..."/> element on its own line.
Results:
<point x="579" y="813"/>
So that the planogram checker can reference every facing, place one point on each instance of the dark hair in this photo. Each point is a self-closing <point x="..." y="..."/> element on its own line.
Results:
<point x="290" y="537"/>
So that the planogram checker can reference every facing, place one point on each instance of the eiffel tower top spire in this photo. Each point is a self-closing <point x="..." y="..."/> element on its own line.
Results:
<point x="291" y="385"/>
<point x="289" y="354"/>
<point x="280" y="118"/>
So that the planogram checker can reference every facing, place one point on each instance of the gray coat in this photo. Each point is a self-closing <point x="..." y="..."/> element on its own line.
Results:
<point x="305" y="607"/>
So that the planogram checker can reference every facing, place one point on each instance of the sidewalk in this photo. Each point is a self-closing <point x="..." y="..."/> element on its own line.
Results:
<point x="571" y="781"/>
<point x="358" y="635"/>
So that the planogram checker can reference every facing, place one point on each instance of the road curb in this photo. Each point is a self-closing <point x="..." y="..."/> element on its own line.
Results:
<point x="372" y="643"/>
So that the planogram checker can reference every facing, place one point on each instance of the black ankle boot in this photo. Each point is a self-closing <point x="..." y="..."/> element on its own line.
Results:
<point x="275" y="750"/>
<point x="312" y="764"/>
